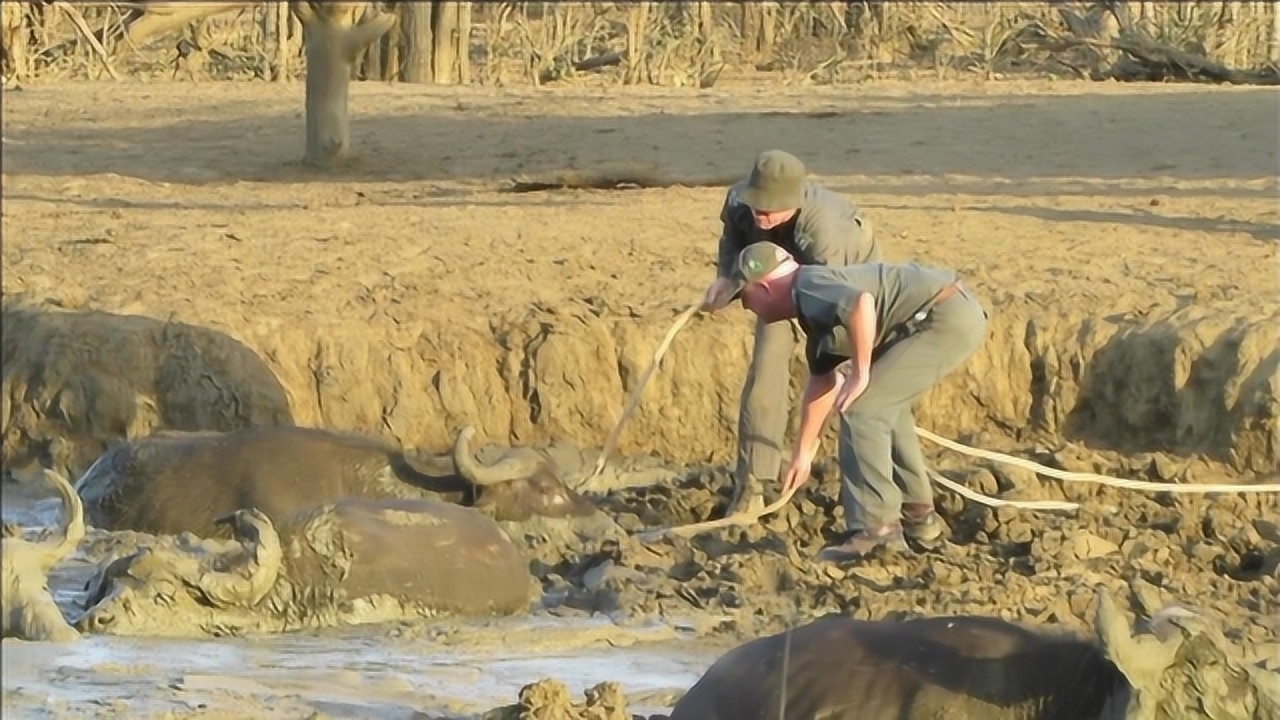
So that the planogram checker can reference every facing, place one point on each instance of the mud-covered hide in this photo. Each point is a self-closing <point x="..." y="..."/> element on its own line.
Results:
<point x="76" y="381"/>
<point x="169" y="483"/>
<point x="841" y="668"/>
<point x="351" y="562"/>
<point x="27" y="609"/>
<point x="173" y="482"/>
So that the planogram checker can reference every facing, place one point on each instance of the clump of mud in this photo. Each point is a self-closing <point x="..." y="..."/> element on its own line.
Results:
<point x="549" y="699"/>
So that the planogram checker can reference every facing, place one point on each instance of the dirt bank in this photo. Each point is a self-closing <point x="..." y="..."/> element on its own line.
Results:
<point x="1198" y="380"/>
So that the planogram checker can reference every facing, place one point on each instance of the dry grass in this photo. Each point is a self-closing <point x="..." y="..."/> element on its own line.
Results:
<point x="686" y="43"/>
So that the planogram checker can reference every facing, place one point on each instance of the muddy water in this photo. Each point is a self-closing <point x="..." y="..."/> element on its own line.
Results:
<point x="347" y="674"/>
<point x="441" y="669"/>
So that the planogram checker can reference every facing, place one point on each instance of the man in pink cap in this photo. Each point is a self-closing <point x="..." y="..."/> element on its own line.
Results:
<point x="816" y="226"/>
<point x="878" y="336"/>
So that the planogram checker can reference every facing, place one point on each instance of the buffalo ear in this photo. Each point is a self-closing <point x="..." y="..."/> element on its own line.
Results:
<point x="1143" y="660"/>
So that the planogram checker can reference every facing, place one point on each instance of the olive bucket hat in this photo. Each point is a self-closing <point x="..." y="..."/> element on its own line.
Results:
<point x="756" y="261"/>
<point x="776" y="182"/>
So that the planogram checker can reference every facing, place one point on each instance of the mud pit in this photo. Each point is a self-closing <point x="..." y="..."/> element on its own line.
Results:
<point x="1124" y="237"/>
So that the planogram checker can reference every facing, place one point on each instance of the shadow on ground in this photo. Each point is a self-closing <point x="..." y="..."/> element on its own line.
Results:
<point x="1259" y="230"/>
<point x="1194" y="136"/>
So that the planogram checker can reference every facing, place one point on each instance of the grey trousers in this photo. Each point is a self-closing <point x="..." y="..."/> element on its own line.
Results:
<point x="881" y="463"/>
<point x="766" y="402"/>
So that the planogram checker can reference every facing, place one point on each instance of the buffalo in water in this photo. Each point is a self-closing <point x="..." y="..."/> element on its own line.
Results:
<point x="175" y="482"/>
<point x="29" y="612"/>
<point x="348" y="562"/>
<point x="840" y="668"/>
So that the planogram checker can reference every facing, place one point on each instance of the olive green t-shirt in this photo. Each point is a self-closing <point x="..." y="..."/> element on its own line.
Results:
<point x="826" y="231"/>
<point x="825" y="297"/>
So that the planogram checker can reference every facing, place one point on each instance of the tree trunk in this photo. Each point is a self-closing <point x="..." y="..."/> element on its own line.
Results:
<point x="17" y="60"/>
<point x="706" y="21"/>
<point x="463" y="37"/>
<point x="282" y="41"/>
<point x="637" y="31"/>
<point x="1275" y="32"/>
<point x="444" y="44"/>
<point x="333" y="42"/>
<point x="419" y="39"/>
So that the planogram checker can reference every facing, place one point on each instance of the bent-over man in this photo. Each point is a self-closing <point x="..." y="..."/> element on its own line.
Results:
<point x="878" y="336"/>
<point x="817" y="227"/>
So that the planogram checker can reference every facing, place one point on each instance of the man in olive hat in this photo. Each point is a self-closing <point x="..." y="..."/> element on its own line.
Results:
<point x="878" y="336"/>
<point x="816" y="226"/>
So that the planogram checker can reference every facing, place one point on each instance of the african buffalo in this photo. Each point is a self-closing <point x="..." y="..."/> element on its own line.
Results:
<point x="349" y="562"/>
<point x="29" y="612"/>
<point x="171" y="482"/>
<point x="839" y="668"/>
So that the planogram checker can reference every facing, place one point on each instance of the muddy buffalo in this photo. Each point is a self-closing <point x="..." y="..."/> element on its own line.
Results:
<point x="345" y="563"/>
<point x="175" y="482"/>
<point x="29" y="612"/>
<point x="840" y="668"/>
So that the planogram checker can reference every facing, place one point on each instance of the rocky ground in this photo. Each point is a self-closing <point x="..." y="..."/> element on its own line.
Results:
<point x="1124" y="238"/>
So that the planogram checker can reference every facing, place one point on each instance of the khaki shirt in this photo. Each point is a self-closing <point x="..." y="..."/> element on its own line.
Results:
<point x="825" y="298"/>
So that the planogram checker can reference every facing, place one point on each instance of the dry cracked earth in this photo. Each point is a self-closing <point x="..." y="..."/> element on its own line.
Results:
<point x="1124" y="238"/>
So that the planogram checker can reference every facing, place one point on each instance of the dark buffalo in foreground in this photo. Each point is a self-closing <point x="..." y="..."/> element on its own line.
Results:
<point x="351" y="562"/>
<point x="29" y="612"/>
<point x="971" y="668"/>
<point x="169" y="483"/>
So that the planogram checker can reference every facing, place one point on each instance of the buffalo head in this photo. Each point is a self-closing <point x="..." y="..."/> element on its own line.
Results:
<point x="168" y="588"/>
<point x="522" y="484"/>
<point x="1183" y="668"/>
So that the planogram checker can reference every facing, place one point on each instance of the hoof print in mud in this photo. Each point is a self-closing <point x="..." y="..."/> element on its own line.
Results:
<point x="350" y="562"/>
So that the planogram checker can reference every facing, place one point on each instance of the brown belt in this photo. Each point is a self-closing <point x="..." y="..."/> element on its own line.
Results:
<point x="947" y="293"/>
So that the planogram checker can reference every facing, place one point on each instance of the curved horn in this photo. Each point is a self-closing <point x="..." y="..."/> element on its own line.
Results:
<point x="254" y="530"/>
<point x="514" y="467"/>
<point x="72" y="531"/>
<point x="1141" y="659"/>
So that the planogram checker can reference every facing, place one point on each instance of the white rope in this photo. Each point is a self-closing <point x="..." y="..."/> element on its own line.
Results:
<point x="612" y="440"/>
<point x="978" y="497"/>
<point x="749" y="517"/>
<point x="1094" y="477"/>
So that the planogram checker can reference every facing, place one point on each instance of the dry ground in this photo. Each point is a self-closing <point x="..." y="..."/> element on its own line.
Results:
<point x="1124" y="237"/>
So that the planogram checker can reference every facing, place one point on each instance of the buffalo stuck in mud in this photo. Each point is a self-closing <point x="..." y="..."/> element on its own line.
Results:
<point x="349" y="562"/>
<point x="172" y="482"/>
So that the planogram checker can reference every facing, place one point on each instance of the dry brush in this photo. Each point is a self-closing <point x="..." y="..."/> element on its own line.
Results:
<point x="682" y="43"/>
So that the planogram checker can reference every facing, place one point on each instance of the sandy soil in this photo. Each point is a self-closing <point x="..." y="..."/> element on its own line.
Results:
<point x="1124" y="237"/>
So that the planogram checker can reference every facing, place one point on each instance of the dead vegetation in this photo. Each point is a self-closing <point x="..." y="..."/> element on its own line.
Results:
<point x="675" y="44"/>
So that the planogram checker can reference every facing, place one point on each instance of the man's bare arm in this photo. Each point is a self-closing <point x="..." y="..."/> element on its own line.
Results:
<point x="861" y="326"/>
<point x="815" y="407"/>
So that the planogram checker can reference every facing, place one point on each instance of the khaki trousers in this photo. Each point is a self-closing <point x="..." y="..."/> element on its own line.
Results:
<point x="766" y="402"/>
<point x="881" y="463"/>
